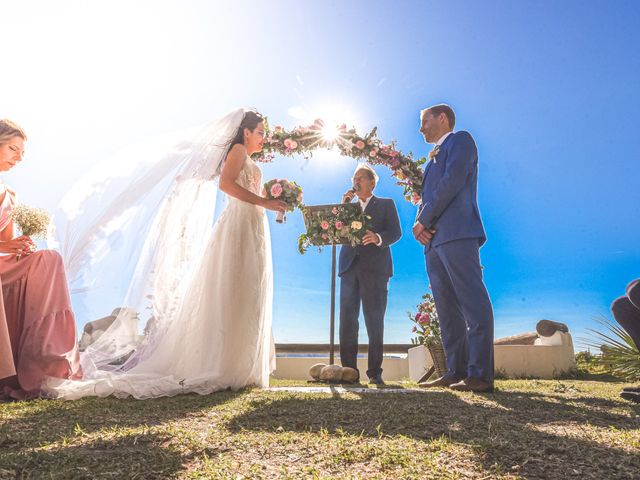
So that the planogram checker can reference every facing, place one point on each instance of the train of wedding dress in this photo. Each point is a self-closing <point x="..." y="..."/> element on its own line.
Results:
<point x="137" y="233"/>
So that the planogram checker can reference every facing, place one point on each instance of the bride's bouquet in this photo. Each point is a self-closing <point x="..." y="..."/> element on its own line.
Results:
<point x="32" y="222"/>
<point x="286" y="191"/>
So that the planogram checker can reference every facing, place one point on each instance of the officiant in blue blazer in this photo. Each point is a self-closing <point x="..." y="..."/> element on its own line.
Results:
<point x="364" y="272"/>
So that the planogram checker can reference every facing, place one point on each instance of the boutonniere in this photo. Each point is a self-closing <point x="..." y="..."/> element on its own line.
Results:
<point x="433" y="153"/>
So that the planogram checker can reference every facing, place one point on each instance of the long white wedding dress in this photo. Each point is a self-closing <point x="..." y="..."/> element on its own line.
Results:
<point x="212" y="329"/>
<point x="229" y="342"/>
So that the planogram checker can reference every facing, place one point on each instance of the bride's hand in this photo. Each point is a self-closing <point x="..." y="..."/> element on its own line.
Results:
<point x="275" y="205"/>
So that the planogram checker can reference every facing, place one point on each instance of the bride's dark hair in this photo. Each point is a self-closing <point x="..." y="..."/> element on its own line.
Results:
<point x="250" y="120"/>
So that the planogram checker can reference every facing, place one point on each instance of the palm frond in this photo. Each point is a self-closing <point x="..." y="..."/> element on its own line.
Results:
<point x="619" y="355"/>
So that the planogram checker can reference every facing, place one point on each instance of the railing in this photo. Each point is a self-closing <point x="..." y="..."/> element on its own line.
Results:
<point x="324" y="348"/>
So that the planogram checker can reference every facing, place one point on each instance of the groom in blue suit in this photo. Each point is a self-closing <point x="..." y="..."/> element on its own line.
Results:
<point x="364" y="274"/>
<point x="449" y="226"/>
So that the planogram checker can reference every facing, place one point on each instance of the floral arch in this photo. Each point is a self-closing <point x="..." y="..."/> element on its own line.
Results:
<point x="304" y="140"/>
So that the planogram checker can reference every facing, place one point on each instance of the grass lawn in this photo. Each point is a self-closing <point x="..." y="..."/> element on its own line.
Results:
<point x="527" y="429"/>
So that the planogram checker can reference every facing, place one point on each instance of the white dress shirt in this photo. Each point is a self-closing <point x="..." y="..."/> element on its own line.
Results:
<point x="442" y="139"/>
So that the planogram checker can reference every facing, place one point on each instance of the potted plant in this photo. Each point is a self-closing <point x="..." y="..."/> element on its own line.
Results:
<point x="428" y="339"/>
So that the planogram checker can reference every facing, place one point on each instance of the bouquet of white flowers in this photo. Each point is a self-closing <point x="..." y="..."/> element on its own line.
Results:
<point x="32" y="222"/>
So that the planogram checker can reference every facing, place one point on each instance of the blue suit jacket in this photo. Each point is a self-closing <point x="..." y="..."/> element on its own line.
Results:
<point x="450" y="192"/>
<point x="376" y="260"/>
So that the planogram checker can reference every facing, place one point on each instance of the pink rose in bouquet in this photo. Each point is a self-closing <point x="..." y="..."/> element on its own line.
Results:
<point x="276" y="190"/>
<point x="286" y="191"/>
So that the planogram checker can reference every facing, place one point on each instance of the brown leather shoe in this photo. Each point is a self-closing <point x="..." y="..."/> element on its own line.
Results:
<point x="471" y="384"/>
<point x="442" y="382"/>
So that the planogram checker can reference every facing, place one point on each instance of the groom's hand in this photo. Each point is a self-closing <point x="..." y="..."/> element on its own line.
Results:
<point x="423" y="234"/>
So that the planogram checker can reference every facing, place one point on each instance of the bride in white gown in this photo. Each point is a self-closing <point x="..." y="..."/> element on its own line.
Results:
<point x="211" y="323"/>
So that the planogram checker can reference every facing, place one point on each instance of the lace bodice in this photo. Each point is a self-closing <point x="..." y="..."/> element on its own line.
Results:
<point x="250" y="176"/>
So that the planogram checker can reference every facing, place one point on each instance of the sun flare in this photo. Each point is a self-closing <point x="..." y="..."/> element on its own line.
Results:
<point x="328" y="117"/>
<point x="329" y="133"/>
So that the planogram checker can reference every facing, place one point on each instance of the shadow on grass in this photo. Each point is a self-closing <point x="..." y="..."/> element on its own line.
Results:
<point x="127" y="456"/>
<point x="521" y="433"/>
<point x="30" y="425"/>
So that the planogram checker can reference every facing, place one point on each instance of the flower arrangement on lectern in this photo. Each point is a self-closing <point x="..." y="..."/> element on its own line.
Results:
<point x="337" y="225"/>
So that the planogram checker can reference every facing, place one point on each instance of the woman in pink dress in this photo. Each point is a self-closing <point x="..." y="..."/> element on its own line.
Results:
<point x="37" y="326"/>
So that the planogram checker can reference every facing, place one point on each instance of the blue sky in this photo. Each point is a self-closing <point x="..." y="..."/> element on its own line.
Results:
<point x="548" y="89"/>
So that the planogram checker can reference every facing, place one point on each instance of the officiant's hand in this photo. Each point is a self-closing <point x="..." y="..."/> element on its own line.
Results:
<point x="423" y="234"/>
<point x="275" y="205"/>
<point x="370" y="238"/>
<point x="348" y="195"/>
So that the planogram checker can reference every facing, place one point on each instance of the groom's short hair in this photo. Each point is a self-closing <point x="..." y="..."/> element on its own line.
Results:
<point x="441" y="108"/>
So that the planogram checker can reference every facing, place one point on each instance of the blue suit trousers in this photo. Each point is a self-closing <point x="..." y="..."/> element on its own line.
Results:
<point x="464" y="307"/>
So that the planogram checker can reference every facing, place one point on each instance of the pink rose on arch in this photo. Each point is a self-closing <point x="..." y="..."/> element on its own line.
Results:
<point x="290" y="144"/>
<point x="324" y="225"/>
<point x="277" y="129"/>
<point x="339" y="225"/>
<point x="276" y="190"/>
<point x="373" y="153"/>
<point x="360" y="144"/>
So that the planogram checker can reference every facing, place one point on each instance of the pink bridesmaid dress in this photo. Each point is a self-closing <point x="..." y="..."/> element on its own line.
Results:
<point x="37" y="326"/>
